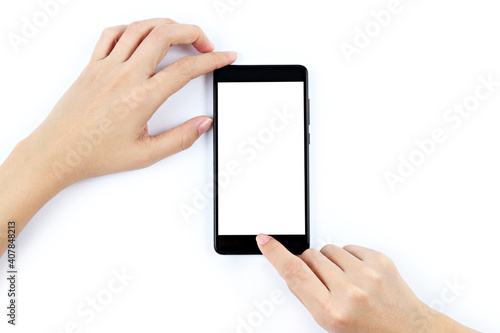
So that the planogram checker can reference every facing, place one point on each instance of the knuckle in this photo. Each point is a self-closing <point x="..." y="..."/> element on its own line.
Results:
<point x="161" y="31"/>
<point x="185" y="66"/>
<point x="135" y="27"/>
<point x="340" y="321"/>
<point x="198" y="30"/>
<point x="384" y="261"/>
<point x="108" y="32"/>
<point x="169" y="21"/>
<point x="356" y="295"/>
<point x="312" y="255"/>
<point x="349" y="247"/>
<point x="136" y="98"/>
<point x="295" y="272"/>
<point x="341" y="318"/>
<point x="157" y="81"/>
<point x="373" y="276"/>
<point x="185" y="141"/>
<point x="327" y="248"/>
<point x="334" y="320"/>
<point x="308" y="254"/>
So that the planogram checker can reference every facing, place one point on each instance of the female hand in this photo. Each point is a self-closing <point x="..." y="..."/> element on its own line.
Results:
<point x="354" y="289"/>
<point x="100" y="124"/>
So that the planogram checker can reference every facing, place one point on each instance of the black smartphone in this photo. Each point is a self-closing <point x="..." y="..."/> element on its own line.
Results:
<point x="261" y="157"/>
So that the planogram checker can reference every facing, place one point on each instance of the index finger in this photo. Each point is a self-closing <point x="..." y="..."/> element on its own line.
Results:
<point x="156" y="45"/>
<point x="175" y="76"/>
<point x="299" y="277"/>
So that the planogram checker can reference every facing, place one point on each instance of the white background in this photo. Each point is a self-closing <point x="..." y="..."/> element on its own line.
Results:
<point x="441" y="224"/>
<point x="266" y="192"/>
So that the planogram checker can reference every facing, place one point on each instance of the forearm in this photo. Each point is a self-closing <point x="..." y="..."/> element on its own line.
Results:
<point x="437" y="322"/>
<point x="26" y="185"/>
<point x="446" y="324"/>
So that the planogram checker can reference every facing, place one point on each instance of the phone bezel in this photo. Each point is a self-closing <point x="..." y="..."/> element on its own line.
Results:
<point x="246" y="244"/>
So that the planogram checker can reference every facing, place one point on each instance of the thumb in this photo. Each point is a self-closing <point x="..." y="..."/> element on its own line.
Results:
<point x="179" y="138"/>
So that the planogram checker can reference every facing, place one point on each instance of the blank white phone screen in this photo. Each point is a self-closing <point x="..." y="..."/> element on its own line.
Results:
<point x="261" y="175"/>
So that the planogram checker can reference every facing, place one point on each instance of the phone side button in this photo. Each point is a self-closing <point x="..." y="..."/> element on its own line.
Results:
<point x="309" y="138"/>
<point x="308" y="111"/>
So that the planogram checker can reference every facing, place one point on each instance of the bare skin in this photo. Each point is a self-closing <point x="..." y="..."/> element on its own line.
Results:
<point x="99" y="127"/>
<point x="354" y="289"/>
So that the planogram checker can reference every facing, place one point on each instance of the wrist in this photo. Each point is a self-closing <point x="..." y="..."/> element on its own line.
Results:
<point x="25" y="187"/>
<point x="30" y="162"/>
<point x="52" y="158"/>
<point x="441" y="323"/>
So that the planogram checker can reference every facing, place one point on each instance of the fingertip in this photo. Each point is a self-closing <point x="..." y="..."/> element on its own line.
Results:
<point x="211" y="46"/>
<point x="263" y="239"/>
<point x="204" y="125"/>
<point x="231" y="56"/>
<point x="204" y="46"/>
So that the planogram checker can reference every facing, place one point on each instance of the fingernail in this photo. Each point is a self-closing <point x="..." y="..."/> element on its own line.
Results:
<point x="212" y="45"/>
<point x="263" y="239"/>
<point x="204" y="126"/>
<point x="231" y="54"/>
